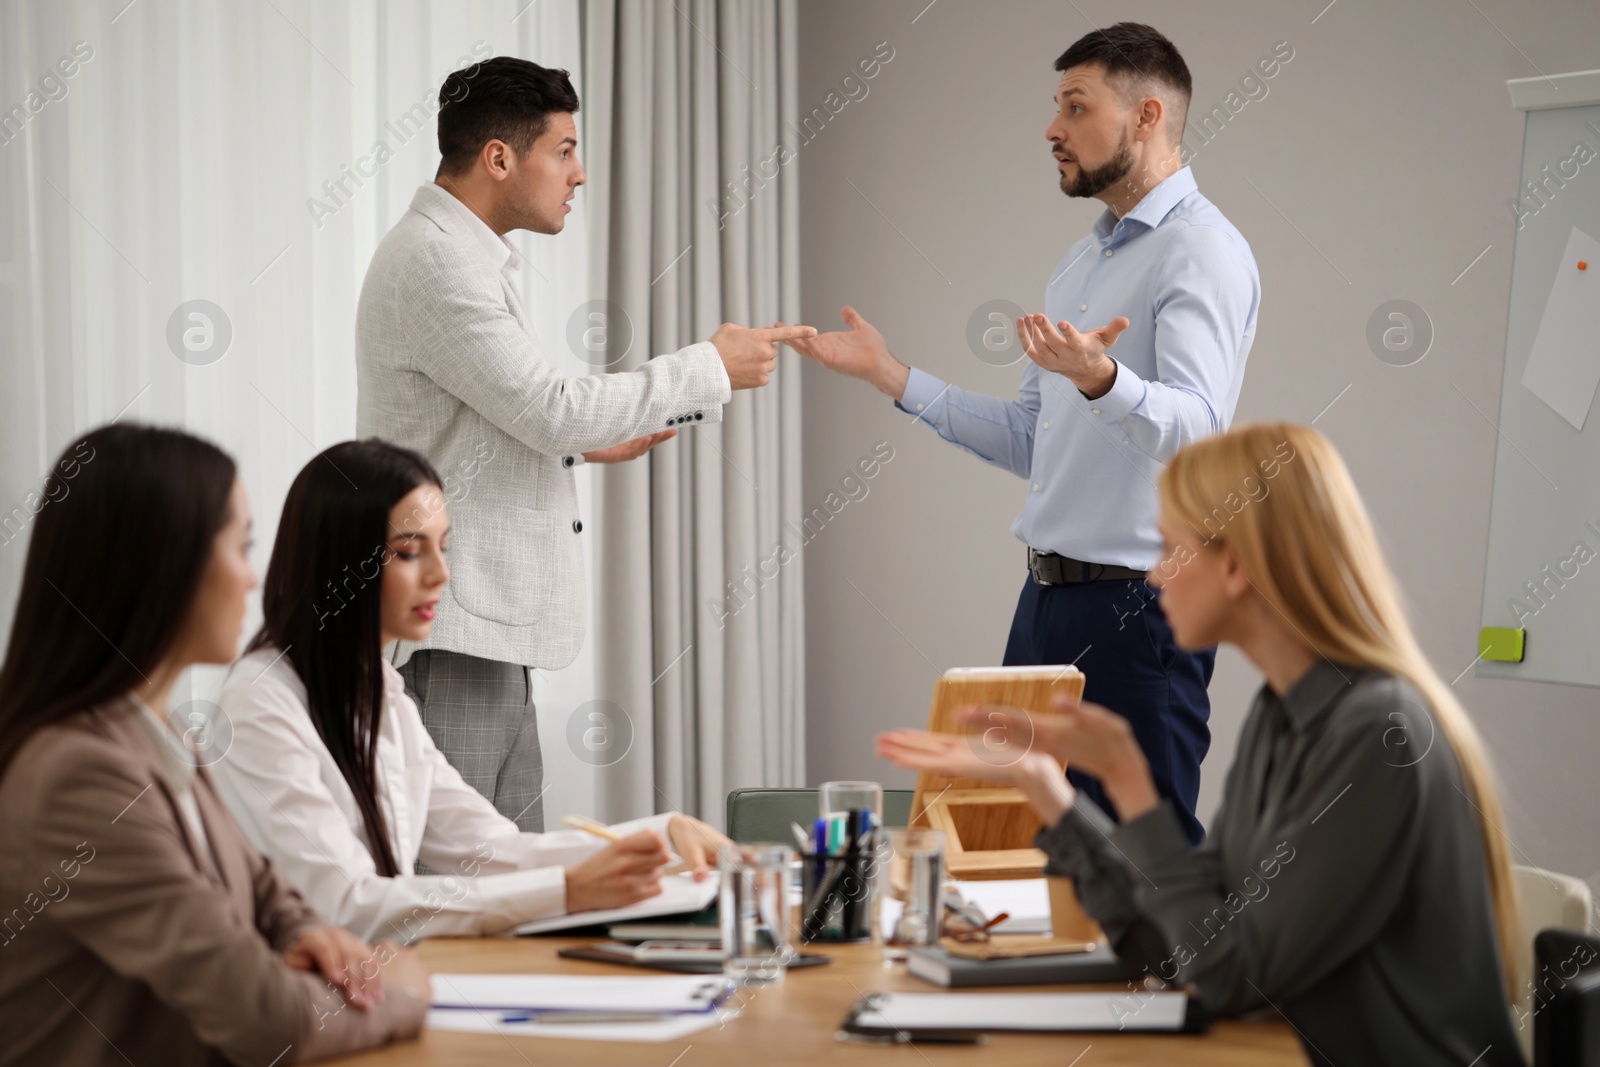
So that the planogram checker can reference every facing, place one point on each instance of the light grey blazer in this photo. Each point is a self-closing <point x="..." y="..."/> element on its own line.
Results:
<point x="447" y="364"/>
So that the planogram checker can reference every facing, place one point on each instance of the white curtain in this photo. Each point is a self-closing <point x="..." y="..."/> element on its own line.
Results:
<point x="688" y="112"/>
<point x="166" y="151"/>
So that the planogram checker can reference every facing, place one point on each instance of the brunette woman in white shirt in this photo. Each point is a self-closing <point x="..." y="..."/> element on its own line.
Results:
<point x="331" y="771"/>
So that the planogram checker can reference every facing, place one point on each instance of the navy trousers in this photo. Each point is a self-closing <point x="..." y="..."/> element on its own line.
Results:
<point x="1116" y="634"/>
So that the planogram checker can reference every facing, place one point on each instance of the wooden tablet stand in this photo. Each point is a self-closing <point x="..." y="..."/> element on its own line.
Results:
<point x="989" y="829"/>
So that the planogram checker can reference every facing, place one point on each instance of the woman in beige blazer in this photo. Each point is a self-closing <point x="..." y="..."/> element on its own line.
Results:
<point x="137" y="923"/>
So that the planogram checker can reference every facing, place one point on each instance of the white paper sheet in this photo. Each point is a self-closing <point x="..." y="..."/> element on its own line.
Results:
<point x="1027" y="900"/>
<point x="1028" y="1011"/>
<point x="1564" y="363"/>
<point x="679" y="893"/>
<point x="672" y="1028"/>
<point x="569" y="992"/>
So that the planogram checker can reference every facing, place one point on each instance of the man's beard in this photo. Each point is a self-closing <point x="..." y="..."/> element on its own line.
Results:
<point x="1095" y="181"/>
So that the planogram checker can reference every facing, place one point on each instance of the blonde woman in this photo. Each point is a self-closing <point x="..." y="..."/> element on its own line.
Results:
<point x="1355" y="876"/>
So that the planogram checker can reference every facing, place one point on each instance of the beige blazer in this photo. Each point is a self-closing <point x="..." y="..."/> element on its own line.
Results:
<point x="447" y="364"/>
<point x="118" y="943"/>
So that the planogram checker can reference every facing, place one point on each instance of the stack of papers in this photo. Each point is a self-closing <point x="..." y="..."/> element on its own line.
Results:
<point x="568" y="992"/>
<point x="669" y="1028"/>
<point x="546" y="1005"/>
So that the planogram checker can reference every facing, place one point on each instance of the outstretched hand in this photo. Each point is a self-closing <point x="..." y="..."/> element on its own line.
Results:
<point x="1087" y="737"/>
<point x="950" y="755"/>
<point x="1077" y="355"/>
<point x="860" y="352"/>
<point x="984" y="756"/>
<point x="750" y="354"/>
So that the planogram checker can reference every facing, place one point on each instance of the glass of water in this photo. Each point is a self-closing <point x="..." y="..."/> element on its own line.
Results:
<point x="755" y="912"/>
<point x="911" y="891"/>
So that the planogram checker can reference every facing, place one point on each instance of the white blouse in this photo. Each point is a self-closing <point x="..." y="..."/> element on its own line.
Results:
<point x="282" y="785"/>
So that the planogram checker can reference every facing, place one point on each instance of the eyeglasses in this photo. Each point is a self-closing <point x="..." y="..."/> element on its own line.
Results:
<point x="958" y="926"/>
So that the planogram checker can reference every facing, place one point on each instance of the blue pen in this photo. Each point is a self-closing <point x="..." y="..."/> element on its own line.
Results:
<point x="819" y="846"/>
<point x="575" y="1016"/>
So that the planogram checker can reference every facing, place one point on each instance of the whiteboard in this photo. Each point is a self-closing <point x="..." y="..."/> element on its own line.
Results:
<point x="1543" y="567"/>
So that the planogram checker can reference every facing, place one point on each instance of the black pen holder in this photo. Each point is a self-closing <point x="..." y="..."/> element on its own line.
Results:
<point x="838" y="895"/>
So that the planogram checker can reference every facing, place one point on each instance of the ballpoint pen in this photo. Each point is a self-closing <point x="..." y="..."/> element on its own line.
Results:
<point x="581" y="1017"/>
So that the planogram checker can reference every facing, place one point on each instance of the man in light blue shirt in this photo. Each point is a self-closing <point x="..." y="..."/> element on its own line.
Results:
<point x="1176" y="286"/>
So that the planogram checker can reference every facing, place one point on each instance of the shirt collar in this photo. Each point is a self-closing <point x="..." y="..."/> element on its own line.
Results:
<point x="1156" y="205"/>
<point x="177" y="763"/>
<point x="394" y="683"/>
<point x="1317" y="690"/>
<point x="440" y="205"/>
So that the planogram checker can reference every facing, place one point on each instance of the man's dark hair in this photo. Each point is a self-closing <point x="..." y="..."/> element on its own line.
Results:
<point x="1140" y="58"/>
<point x="505" y="99"/>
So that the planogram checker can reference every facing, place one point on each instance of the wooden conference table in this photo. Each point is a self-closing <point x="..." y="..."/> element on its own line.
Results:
<point x="795" y="1023"/>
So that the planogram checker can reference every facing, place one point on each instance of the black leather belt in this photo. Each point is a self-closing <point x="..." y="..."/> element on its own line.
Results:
<point x="1049" y="568"/>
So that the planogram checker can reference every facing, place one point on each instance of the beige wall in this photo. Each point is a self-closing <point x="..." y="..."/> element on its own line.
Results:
<point x="1377" y="165"/>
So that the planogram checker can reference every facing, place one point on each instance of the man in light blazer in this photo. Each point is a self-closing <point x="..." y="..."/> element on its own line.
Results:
<point x="448" y="365"/>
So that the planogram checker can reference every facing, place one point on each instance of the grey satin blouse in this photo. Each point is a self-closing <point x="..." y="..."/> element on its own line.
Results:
<point x="1343" y="882"/>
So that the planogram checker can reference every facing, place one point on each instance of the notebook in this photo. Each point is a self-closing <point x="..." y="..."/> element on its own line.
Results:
<point x="611" y="952"/>
<point x="680" y="893"/>
<point x="936" y="965"/>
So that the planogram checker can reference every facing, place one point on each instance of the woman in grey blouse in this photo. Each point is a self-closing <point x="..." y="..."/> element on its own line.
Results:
<point x="1355" y="877"/>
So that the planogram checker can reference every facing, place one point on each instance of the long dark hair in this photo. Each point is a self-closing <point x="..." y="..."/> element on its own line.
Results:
<point x="123" y="532"/>
<point x="321" y="604"/>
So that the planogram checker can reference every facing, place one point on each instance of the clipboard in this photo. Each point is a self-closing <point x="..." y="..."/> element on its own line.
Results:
<point x="583" y="994"/>
<point x="903" y="1017"/>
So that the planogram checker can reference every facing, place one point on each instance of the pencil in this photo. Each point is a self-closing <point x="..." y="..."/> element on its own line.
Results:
<point x="599" y="829"/>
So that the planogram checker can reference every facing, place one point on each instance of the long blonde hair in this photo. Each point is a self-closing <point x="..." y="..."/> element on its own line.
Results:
<point x="1280" y="495"/>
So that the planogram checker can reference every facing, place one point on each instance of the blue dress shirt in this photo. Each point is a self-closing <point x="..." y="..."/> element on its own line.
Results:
<point x="1185" y="278"/>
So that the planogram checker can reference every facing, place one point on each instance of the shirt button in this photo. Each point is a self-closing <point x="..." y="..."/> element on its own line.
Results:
<point x="699" y="415"/>
<point x="1083" y="307"/>
<point x="567" y="461"/>
<point x="577" y="526"/>
<point x="1125" y="440"/>
<point x="1046" y="426"/>
<point x="919" y="407"/>
<point x="1095" y="410"/>
<point x="672" y="422"/>
<point x="1108" y="253"/>
<point x="1035" y="487"/>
